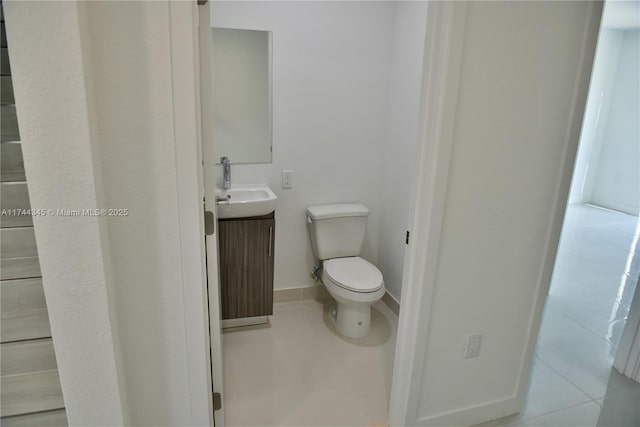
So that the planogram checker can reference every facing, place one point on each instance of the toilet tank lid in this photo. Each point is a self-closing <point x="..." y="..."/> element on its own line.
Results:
<point x="337" y="210"/>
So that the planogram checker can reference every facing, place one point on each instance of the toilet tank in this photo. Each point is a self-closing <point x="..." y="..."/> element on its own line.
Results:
<point x="337" y="230"/>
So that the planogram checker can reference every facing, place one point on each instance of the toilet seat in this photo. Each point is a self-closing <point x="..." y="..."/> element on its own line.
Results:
<point x="354" y="274"/>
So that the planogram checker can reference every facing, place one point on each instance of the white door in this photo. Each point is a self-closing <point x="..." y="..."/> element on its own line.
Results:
<point x="211" y="240"/>
<point x="475" y="265"/>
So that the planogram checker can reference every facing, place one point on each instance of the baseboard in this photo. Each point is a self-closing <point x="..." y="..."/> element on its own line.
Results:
<point x="392" y="303"/>
<point x="319" y="292"/>
<point x="287" y="295"/>
<point x="474" y="415"/>
<point x="244" y="321"/>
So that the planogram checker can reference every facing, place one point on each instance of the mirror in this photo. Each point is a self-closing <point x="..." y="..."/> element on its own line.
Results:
<point x="242" y="95"/>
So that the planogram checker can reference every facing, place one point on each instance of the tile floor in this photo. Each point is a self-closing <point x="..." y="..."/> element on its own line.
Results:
<point x="299" y="372"/>
<point x="573" y="382"/>
<point x="338" y="382"/>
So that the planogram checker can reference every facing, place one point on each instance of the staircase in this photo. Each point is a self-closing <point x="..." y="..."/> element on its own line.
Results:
<point x="30" y="393"/>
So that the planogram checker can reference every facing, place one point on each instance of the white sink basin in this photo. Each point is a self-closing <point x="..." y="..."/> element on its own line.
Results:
<point x="245" y="200"/>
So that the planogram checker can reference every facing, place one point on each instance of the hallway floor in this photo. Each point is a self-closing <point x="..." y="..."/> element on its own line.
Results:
<point x="573" y="382"/>
<point x="297" y="371"/>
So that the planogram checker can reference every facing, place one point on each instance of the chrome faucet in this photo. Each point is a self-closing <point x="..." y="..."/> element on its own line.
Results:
<point x="226" y="173"/>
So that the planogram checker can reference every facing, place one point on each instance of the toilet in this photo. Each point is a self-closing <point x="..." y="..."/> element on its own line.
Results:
<point x="337" y="233"/>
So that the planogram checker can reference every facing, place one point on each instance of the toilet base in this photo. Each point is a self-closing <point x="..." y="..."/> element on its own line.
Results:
<point x="352" y="321"/>
<point x="353" y="314"/>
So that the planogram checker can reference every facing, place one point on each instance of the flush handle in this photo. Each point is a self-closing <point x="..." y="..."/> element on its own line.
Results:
<point x="270" y="239"/>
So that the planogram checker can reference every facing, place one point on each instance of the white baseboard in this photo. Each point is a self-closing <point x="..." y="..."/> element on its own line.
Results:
<point x="320" y="293"/>
<point x="475" y="414"/>
<point x="245" y="321"/>
<point x="391" y="302"/>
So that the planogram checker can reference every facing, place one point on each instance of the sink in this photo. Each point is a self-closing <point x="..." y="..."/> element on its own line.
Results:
<point x="246" y="200"/>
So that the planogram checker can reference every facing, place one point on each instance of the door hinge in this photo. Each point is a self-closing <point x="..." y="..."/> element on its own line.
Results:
<point x="217" y="401"/>
<point x="406" y="239"/>
<point x="209" y="223"/>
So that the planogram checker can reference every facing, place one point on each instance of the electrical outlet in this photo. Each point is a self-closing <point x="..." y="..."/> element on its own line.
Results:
<point x="473" y="346"/>
<point x="287" y="179"/>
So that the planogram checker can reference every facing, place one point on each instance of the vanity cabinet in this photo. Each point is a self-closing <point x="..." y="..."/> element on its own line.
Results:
<point x="246" y="266"/>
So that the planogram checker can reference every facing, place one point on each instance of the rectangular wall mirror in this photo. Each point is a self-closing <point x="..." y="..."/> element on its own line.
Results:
<point x="242" y="95"/>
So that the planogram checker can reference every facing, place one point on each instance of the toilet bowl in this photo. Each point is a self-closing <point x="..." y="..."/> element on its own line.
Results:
<point x="337" y="233"/>
<point x="356" y="285"/>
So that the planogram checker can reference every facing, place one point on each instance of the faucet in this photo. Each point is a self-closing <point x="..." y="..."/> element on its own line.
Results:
<point x="226" y="173"/>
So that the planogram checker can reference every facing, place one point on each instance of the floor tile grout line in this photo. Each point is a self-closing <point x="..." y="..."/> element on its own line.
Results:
<point x="602" y="299"/>
<point x="562" y="313"/>
<point x="566" y="379"/>
<point x="589" y="330"/>
<point x="555" y="411"/>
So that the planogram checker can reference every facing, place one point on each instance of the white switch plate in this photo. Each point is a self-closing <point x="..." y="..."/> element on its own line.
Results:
<point x="287" y="179"/>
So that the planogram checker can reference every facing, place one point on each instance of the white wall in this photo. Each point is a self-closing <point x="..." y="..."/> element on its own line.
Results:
<point x="617" y="184"/>
<point x="331" y="69"/>
<point x="96" y="106"/>
<point x="596" y="115"/>
<point x="523" y="74"/>
<point x="409" y="24"/>
<point x="51" y="99"/>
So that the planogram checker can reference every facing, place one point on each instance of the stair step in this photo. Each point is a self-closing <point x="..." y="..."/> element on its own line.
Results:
<point x="6" y="91"/>
<point x="14" y="200"/>
<point x="11" y="163"/>
<point x="3" y="36"/>
<point x="56" y="418"/>
<point x="25" y="325"/>
<point x="12" y="176"/>
<point x="19" y="268"/>
<point x="5" y="69"/>
<point x="24" y="394"/>
<point x="22" y="295"/>
<point x="9" y="123"/>
<point x="18" y="242"/>
<point x="27" y="357"/>
<point x="24" y="311"/>
<point x="11" y="158"/>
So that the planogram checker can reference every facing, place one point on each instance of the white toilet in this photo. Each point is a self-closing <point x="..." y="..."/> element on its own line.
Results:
<point x="337" y="233"/>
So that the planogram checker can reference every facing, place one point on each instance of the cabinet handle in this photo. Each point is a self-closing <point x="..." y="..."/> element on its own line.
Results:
<point x="270" y="239"/>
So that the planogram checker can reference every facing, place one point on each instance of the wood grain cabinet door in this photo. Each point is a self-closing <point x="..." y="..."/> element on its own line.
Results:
<point x="246" y="266"/>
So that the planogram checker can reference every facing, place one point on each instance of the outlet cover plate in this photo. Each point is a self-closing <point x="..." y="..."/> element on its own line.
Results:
<point x="287" y="179"/>
<point x="474" y="343"/>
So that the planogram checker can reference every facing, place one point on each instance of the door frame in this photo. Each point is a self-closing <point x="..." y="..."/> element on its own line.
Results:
<point x="189" y="176"/>
<point x="441" y="75"/>
<point x="208" y="172"/>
